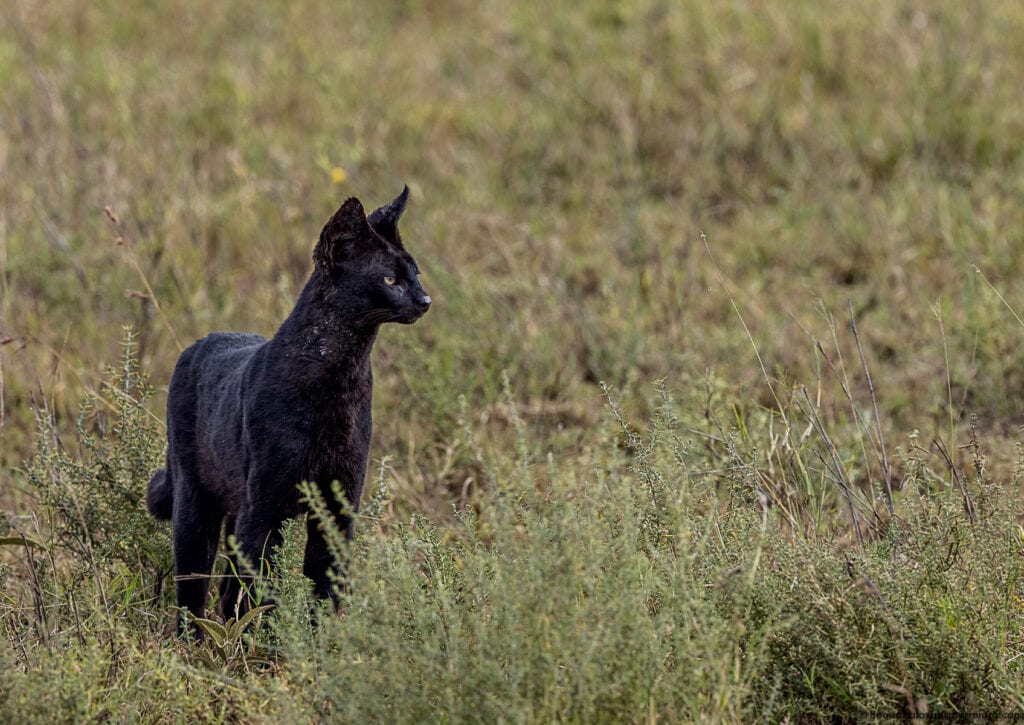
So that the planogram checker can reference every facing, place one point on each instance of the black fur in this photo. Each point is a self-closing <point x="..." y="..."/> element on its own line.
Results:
<point x="249" y="418"/>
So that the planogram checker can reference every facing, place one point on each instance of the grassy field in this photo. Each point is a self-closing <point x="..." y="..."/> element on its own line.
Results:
<point x="636" y="464"/>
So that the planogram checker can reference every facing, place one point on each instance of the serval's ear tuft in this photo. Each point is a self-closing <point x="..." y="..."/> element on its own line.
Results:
<point x="346" y="228"/>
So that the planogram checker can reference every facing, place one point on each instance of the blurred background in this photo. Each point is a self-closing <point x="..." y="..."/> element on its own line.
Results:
<point x="617" y="192"/>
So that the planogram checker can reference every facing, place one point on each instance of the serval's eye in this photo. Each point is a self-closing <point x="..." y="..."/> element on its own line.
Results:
<point x="389" y="280"/>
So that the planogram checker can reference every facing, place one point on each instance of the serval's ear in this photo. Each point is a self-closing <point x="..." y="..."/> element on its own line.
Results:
<point x="385" y="220"/>
<point x="343" y="231"/>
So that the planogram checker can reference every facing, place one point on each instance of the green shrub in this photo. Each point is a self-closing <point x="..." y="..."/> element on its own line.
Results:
<point x="654" y="592"/>
<point x="92" y="489"/>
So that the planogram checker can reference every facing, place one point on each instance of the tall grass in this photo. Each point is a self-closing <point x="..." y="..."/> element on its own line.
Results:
<point x="563" y="165"/>
<point x="654" y="576"/>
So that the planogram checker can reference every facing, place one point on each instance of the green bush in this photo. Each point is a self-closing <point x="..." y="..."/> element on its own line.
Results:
<point x="94" y="487"/>
<point x="656" y="592"/>
<point x="653" y="577"/>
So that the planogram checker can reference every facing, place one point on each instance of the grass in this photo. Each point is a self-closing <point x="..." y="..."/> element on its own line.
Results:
<point x="685" y="202"/>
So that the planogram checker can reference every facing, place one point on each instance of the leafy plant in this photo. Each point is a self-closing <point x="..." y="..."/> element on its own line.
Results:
<point x="93" y="488"/>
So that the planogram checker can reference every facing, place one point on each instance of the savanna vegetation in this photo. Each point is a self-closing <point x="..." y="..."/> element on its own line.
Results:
<point x="716" y="414"/>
